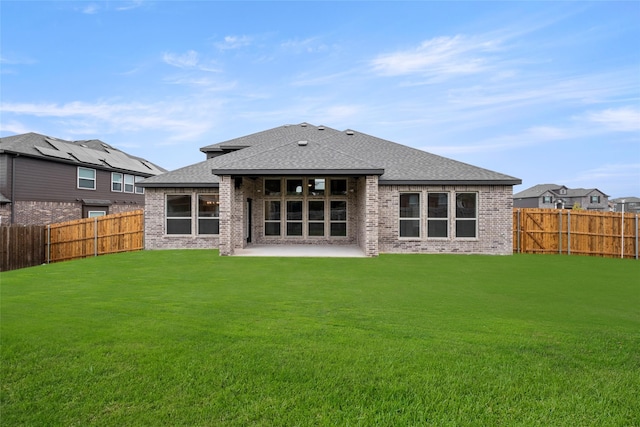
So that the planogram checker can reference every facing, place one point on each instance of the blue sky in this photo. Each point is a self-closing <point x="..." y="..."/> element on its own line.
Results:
<point x="545" y="91"/>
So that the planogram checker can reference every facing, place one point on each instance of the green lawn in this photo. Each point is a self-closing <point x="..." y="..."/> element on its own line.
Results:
<point x="190" y="338"/>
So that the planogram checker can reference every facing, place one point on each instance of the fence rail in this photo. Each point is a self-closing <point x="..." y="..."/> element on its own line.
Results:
<point x="604" y="234"/>
<point x="95" y="236"/>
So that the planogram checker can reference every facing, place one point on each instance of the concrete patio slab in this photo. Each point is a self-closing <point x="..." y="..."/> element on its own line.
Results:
<point x="321" y="251"/>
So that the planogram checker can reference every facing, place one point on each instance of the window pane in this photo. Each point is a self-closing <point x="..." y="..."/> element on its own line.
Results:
<point x="316" y="210"/>
<point x="208" y="226"/>
<point x="466" y="205"/>
<point x="437" y="228"/>
<point x="116" y="182"/>
<point x="438" y="205"/>
<point x="316" y="186"/>
<point x="294" y="210"/>
<point x="466" y="228"/>
<point x="86" y="183"/>
<point x="272" y="211"/>
<point x="410" y="228"/>
<point x="410" y="205"/>
<point x="272" y="187"/>
<point x="179" y="206"/>
<point x="338" y="229"/>
<point x="272" y="229"/>
<point x="139" y="190"/>
<point x="208" y="206"/>
<point x="294" y="187"/>
<point x="86" y="173"/>
<point x="294" y="229"/>
<point x="128" y="183"/>
<point x="316" y="229"/>
<point x="338" y="210"/>
<point x="338" y="187"/>
<point x="179" y="226"/>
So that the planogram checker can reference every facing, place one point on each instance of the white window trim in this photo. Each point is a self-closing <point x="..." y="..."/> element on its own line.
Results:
<point x="132" y="183"/>
<point x="137" y="189"/>
<point x="96" y="214"/>
<point x="113" y="181"/>
<point x="94" y="179"/>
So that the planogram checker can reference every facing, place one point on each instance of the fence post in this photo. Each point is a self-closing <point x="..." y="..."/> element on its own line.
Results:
<point x="636" y="233"/>
<point x="518" y="232"/>
<point x="568" y="232"/>
<point x="560" y="231"/>
<point x="49" y="244"/>
<point x="622" y="232"/>
<point x="95" y="236"/>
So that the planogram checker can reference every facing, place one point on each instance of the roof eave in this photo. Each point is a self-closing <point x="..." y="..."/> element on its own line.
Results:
<point x="295" y="172"/>
<point x="178" y="184"/>
<point x="514" y="181"/>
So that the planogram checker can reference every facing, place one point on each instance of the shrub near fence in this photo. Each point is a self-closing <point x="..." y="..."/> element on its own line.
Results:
<point x="605" y="234"/>
<point x="88" y="237"/>
<point x="21" y="246"/>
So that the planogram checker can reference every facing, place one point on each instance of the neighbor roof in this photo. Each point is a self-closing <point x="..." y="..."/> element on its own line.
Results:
<point x="538" y="190"/>
<point x="306" y="149"/>
<point x="92" y="153"/>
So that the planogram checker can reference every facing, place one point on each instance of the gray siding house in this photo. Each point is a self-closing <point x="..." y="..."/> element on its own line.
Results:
<point x="45" y="180"/>
<point x="306" y="184"/>
<point x="553" y="196"/>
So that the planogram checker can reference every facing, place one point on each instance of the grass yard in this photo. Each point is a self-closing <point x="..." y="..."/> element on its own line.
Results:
<point x="188" y="338"/>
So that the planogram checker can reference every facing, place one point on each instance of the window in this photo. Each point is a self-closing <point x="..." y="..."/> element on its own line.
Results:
<point x="116" y="181"/>
<point x="316" y="218"/>
<point x="466" y="214"/>
<point x="547" y="199"/>
<point x="294" y="187"/>
<point x="86" y="178"/>
<point x="139" y="190"/>
<point x="316" y="186"/>
<point x="208" y="214"/>
<point x="294" y="217"/>
<point x="178" y="214"/>
<point x="128" y="183"/>
<point x="272" y="187"/>
<point x="338" y="227"/>
<point x="272" y="215"/>
<point x="410" y="215"/>
<point x="438" y="215"/>
<point x="338" y="187"/>
<point x="95" y="214"/>
<point x="595" y="199"/>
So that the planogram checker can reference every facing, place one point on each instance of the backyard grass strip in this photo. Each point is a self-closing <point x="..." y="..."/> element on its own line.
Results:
<point x="191" y="338"/>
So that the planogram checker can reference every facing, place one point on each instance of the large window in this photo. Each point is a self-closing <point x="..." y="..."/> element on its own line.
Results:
<point x="307" y="207"/>
<point x="438" y="215"/>
<point x="272" y="217"/>
<point x="86" y="178"/>
<point x="129" y="182"/>
<point x="178" y="214"/>
<point x="466" y="214"/>
<point x="139" y="190"/>
<point x="410" y="215"/>
<point x="208" y="214"/>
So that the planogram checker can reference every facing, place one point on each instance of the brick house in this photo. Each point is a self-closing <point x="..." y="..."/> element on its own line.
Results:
<point x="44" y="180"/>
<point x="553" y="196"/>
<point x="305" y="184"/>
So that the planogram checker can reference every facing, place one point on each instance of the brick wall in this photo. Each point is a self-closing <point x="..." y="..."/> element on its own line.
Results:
<point x="154" y="221"/>
<point x="494" y="235"/>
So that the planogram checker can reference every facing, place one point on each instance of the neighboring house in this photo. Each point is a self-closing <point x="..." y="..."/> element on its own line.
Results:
<point x="553" y="196"/>
<point x="305" y="184"/>
<point x="631" y="204"/>
<point x="45" y="180"/>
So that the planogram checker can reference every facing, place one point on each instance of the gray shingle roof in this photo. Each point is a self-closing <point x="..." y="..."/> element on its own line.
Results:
<point x="278" y="151"/>
<point x="538" y="190"/>
<point x="93" y="153"/>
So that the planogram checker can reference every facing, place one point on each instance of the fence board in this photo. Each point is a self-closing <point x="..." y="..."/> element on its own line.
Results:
<point x="96" y="236"/>
<point x="604" y="234"/>
<point x="21" y="246"/>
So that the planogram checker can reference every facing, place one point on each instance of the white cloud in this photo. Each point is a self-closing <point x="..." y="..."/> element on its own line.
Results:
<point x="187" y="60"/>
<point x="440" y="55"/>
<point x="233" y="42"/>
<point x="91" y="9"/>
<point x="623" y="119"/>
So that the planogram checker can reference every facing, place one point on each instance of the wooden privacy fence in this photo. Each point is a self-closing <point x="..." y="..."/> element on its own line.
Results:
<point x="605" y="234"/>
<point x="95" y="236"/>
<point x="22" y="246"/>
